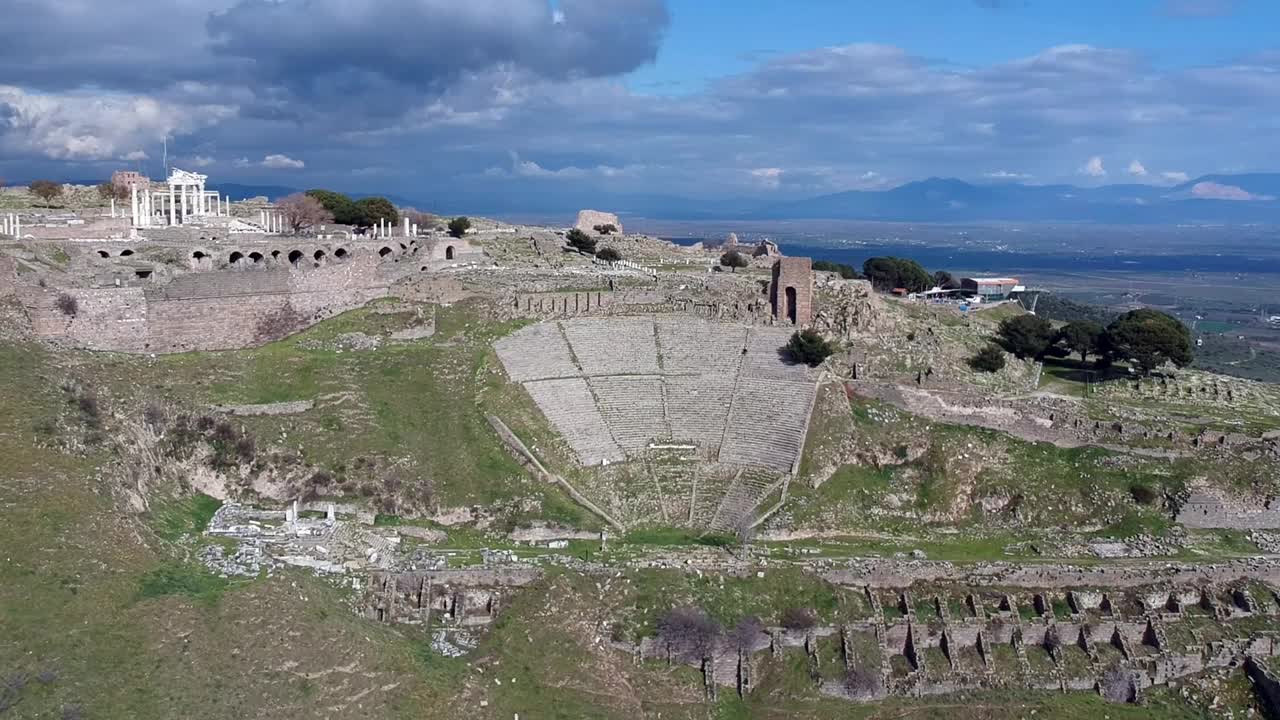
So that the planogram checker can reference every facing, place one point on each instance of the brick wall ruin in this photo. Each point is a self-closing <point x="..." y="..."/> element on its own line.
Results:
<point x="792" y="291"/>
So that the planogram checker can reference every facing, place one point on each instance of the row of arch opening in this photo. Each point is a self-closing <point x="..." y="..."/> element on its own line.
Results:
<point x="295" y="257"/>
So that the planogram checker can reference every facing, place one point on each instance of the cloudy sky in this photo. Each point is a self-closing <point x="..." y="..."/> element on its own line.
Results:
<point x="464" y="103"/>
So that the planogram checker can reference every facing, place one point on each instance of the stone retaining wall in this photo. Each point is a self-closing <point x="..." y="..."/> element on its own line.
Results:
<point x="217" y="311"/>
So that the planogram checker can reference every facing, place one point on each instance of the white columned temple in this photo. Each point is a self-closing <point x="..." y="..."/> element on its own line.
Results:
<point x="189" y="189"/>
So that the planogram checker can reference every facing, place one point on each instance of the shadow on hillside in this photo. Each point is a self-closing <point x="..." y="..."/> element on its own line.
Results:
<point x="1072" y="370"/>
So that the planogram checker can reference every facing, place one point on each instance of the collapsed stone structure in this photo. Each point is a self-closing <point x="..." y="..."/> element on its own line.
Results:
<point x="589" y="220"/>
<point x="951" y="639"/>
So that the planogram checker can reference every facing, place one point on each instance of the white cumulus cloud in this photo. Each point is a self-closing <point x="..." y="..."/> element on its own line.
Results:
<point x="282" y="162"/>
<point x="1175" y="176"/>
<point x="1094" y="167"/>
<point x="1137" y="169"/>
<point x="89" y="126"/>
<point x="521" y="168"/>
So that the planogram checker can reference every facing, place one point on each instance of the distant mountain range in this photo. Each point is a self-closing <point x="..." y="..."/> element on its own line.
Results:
<point x="1213" y="199"/>
<point x="1209" y="199"/>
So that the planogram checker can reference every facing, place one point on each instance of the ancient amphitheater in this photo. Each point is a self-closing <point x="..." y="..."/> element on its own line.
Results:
<point x="617" y="386"/>
<point x="623" y="389"/>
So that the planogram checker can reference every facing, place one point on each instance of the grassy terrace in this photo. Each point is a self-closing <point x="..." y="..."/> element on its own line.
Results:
<point x="961" y="477"/>
<point x="417" y="406"/>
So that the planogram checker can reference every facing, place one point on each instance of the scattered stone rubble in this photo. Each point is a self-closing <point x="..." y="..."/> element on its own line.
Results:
<point x="247" y="560"/>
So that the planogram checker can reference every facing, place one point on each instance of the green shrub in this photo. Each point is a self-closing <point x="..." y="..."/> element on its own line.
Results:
<point x="459" y="226"/>
<point x="581" y="241"/>
<point x="989" y="359"/>
<point x="808" y="347"/>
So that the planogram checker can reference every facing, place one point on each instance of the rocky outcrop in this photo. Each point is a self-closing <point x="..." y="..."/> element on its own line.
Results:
<point x="589" y="220"/>
<point x="846" y="308"/>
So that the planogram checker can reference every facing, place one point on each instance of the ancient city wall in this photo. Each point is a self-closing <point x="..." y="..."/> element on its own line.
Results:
<point x="214" y="311"/>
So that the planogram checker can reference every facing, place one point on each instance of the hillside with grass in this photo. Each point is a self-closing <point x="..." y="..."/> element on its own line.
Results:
<point x="108" y="611"/>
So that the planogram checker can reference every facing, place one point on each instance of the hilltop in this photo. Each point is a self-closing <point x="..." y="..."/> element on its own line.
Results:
<point x="330" y="474"/>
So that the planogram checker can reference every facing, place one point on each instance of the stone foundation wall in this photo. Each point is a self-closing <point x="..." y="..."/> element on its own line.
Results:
<point x="97" y="228"/>
<point x="214" y="311"/>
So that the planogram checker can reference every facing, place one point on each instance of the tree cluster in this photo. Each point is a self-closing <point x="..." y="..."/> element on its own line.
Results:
<point x="848" y="272"/>
<point x="365" y="212"/>
<point x="608" y="254"/>
<point x="1145" y="338"/>
<point x="606" y="229"/>
<point x="303" y="212"/>
<point x="891" y="273"/>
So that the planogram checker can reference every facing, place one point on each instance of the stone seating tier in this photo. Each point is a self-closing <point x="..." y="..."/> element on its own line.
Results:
<point x="614" y="346"/>
<point x="721" y="386"/>
<point x="568" y="405"/>
<point x="700" y="347"/>
<point x="633" y="408"/>
<point x="767" y="423"/>
<point x="537" y="352"/>
<point x="749" y="488"/>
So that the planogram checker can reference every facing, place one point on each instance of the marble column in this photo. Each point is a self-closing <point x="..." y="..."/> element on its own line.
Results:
<point x="173" y="220"/>
<point x="133" y="205"/>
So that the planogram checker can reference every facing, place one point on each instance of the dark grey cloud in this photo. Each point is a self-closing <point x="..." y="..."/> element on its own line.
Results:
<point x="450" y="100"/>
<point x="137" y="45"/>
<point x="337" y="47"/>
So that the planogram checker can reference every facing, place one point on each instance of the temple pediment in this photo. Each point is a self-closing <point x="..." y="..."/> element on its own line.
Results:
<point x="184" y="177"/>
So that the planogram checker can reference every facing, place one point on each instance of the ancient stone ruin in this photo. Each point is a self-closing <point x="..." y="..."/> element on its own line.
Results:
<point x="589" y="220"/>
<point x="792" y="291"/>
